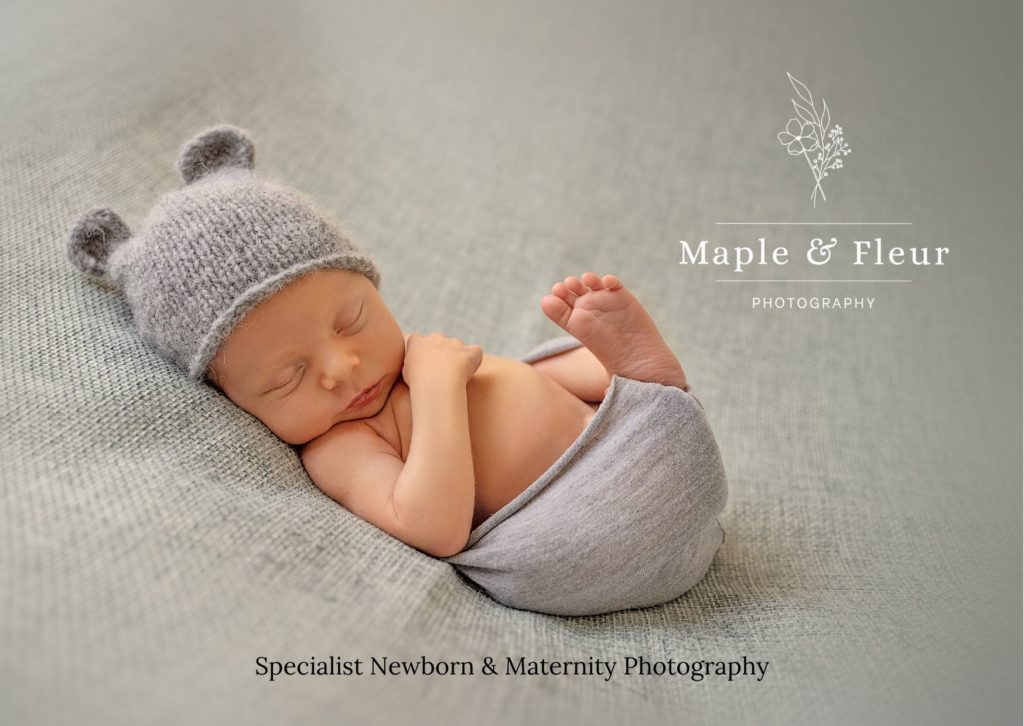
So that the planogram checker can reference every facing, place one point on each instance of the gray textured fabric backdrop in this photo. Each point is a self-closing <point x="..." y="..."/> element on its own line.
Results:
<point x="155" y="540"/>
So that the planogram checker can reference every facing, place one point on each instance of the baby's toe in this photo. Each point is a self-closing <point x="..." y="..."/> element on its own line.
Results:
<point x="575" y="286"/>
<point x="560" y="290"/>
<point x="592" y="281"/>
<point x="557" y="309"/>
<point x="612" y="282"/>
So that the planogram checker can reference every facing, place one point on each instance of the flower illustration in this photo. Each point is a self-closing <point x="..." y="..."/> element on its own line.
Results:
<point x="798" y="138"/>
<point x="810" y="132"/>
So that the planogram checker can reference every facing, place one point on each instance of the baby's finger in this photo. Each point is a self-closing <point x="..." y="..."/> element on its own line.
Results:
<point x="477" y="354"/>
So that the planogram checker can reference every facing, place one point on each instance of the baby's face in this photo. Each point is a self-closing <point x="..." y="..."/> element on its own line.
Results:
<point x="300" y="357"/>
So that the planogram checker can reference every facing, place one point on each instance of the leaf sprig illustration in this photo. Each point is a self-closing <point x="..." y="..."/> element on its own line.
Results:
<point x="809" y="132"/>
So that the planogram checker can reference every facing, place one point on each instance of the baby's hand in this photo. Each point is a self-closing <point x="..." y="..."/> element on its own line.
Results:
<point x="427" y="357"/>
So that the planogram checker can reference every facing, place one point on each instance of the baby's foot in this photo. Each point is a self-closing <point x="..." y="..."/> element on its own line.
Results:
<point x="611" y="322"/>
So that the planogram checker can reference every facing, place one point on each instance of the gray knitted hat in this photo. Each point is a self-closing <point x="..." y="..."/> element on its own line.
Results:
<point x="210" y="252"/>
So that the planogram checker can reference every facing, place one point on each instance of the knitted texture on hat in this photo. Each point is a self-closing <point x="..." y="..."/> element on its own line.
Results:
<point x="210" y="252"/>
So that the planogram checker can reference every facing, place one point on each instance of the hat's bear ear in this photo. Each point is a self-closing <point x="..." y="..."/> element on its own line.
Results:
<point x="93" y="237"/>
<point x="216" y="148"/>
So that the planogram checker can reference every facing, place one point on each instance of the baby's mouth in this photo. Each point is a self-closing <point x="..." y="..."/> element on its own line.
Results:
<point x="365" y="396"/>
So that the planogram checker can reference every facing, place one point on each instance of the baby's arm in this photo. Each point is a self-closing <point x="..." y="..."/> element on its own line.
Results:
<point x="437" y="487"/>
<point x="427" y="501"/>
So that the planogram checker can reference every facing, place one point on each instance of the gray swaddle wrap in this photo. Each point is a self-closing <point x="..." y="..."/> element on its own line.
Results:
<point x="625" y="518"/>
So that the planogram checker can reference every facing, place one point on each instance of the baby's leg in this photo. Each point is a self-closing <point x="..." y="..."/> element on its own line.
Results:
<point x="578" y="371"/>
<point x="611" y="322"/>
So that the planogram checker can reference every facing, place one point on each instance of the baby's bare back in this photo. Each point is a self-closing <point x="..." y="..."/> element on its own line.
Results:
<point x="520" y="422"/>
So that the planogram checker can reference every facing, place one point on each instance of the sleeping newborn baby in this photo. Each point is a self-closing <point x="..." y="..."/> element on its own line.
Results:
<point x="582" y="478"/>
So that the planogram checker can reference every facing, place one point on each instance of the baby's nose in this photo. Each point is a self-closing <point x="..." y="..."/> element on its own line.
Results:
<point x="337" y="368"/>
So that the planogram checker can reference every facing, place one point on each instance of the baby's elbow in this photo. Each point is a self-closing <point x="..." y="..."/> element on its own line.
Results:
<point x="437" y="533"/>
<point x="447" y="546"/>
<point x="440" y="552"/>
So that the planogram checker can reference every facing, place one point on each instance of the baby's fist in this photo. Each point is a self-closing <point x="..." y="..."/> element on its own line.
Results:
<point x="434" y="356"/>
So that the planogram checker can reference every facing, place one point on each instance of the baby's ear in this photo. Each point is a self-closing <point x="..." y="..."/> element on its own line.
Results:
<point x="93" y="237"/>
<point x="216" y="148"/>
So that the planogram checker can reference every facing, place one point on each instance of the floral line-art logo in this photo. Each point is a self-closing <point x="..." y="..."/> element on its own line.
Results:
<point x="809" y="133"/>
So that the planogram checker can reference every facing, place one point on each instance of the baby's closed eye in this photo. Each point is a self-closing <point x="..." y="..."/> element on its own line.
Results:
<point x="279" y="383"/>
<point x="353" y="320"/>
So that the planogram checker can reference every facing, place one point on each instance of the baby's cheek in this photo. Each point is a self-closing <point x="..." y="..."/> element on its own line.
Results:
<point x="279" y="419"/>
<point x="303" y="421"/>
